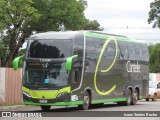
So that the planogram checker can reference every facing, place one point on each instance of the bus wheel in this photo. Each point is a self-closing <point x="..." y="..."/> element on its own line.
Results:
<point x="147" y="99"/>
<point x="129" y="98"/>
<point x="154" y="97"/>
<point x="86" y="103"/>
<point x="45" y="108"/>
<point x="120" y="103"/>
<point x="135" y="97"/>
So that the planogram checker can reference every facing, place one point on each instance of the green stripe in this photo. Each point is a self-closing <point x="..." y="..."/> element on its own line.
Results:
<point x="70" y="103"/>
<point x="56" y="104"/>
<point x="109" y="100"/>
<point x="105" y="36"/>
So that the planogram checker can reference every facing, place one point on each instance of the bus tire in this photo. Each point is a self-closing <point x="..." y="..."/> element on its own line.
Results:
<point x="45" y="108"/>
<point x="147" y="99"/>
<point x="120" y="103"/>
<point x="86" y="103"/>
<point x="135" y="97"/>
<point x="154" y="97"/>
<point x="129" y="98"/>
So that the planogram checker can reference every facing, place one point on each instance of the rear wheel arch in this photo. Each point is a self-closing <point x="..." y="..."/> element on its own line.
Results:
<point x="131" y="89"/>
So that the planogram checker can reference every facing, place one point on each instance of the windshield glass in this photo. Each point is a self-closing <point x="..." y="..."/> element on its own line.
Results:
<point x="45" y="75"/>
<point x="50" y="48"/>
<point x="152" y="85"/>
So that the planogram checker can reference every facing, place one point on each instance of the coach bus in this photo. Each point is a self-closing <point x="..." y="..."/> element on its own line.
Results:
<point x="83" y="68"/>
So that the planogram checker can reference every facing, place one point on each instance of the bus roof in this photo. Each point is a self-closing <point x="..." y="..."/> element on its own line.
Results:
<point x="56" y="35"/>
<point x="72" y="34"/>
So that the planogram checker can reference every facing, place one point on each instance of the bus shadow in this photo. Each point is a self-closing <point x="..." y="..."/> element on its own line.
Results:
<point x="92" y="107"/>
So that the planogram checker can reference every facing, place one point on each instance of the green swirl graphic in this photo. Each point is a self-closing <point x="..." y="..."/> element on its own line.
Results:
<point x="109" y="68"/>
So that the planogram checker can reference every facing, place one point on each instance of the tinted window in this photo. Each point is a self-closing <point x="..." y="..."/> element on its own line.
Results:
<point x="79" y="46"/>
<point x="158" y="85"/>
<point x="50" y="48"/>
<point x="130" y="47"/>
<point x="90" y="48"/>
<point x="137" y="52"/>
<point x="123" y="50"/>
<point x="110" y="50"/>
<point x="144" y="51"/>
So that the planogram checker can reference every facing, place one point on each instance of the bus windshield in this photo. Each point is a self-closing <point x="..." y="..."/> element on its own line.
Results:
<point x="49" y="48"/>
<point x="45" y="75"/>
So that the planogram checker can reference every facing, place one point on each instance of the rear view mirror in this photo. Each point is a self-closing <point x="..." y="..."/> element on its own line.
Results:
<point x="69" y="62"/>
<point x="16" y="62"/>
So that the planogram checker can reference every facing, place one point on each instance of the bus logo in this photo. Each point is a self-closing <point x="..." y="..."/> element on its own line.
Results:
<point x="133" y="67"/>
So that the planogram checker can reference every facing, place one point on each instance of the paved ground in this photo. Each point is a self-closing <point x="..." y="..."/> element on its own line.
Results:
<point x="141" y="106"/>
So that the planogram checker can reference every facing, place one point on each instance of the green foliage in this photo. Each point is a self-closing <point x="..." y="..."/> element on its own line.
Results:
<point x="20" y="18"/>
<point x="16" y="16"/>
<point x="154" y="56"/>
<point x="92" y="25"/>
<point x="56" y="13"/>
<point x="154" y="13"/>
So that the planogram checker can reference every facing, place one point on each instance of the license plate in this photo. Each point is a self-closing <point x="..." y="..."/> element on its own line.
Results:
<point x="43" y="101"/>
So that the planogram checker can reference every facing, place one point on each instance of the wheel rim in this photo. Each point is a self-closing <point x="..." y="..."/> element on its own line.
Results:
<point x="86" y="100"/>
<point x="129" y="98"/>
<point x="135" y="97"/>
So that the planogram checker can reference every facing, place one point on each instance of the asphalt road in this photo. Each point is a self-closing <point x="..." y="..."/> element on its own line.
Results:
<point x="109" y="108"/>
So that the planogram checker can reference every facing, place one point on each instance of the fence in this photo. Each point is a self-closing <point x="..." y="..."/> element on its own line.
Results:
<point x="10" y="86"/>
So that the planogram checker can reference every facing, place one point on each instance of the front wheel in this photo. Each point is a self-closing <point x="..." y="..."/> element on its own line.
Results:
<point x="86" y="103"/>
<point x="45" y="108"/>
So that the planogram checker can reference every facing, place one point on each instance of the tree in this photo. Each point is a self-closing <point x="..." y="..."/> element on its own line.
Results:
<point x="20" y="18"/>
<point x="92" y="25"/>
<point x="154" y="13"/>
<point x="66" y="13"/>
<point x="154" y="58"/>
<point x="16" y="16"/>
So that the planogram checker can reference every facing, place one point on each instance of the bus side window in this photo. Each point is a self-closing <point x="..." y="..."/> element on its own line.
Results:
<point x="123" y="53"/>
<point x="90" y="49"/>
<point x="137" y="53"/>
<point x="78" y="47"/>
<point x="158" y="86"/>
<point x="144" y="51"/>
<point x="130" y="51"/>
<point x="110" y="51"/>
<point x="99" y="44"/>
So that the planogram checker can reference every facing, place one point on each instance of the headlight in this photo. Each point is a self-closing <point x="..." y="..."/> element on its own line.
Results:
<point x="27" y="94"/>
<point x="62" y="94"/>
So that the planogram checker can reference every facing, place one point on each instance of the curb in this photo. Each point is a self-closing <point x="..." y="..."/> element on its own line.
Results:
<point x="14" y="107"/>
<point x="11" y="107"/>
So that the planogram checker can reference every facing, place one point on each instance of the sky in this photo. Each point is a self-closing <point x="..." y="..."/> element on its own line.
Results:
<point x="123" y="17"/>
